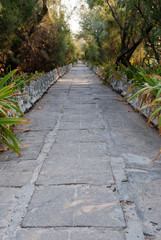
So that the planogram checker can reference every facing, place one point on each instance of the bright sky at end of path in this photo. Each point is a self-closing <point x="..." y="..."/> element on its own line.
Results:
<point x="70" y="6"/>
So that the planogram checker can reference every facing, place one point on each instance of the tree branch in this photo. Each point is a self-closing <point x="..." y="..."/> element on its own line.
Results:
<point x="127" y="53"/>
<point x="45" y="9"/>
<point x="114" y="15"/>
<point x="152" y="45"/>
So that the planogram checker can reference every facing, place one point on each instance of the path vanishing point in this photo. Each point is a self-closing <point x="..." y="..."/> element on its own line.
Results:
<point x="85" y="173"/>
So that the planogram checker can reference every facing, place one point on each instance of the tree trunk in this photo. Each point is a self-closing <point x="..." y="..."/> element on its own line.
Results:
<point x="152" y="45"/>
<point x="126" y="53"/>
<point x="45" y="9"/>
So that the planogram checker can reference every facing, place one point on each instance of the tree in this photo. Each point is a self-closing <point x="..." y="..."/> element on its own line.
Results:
<point x="93" y="32"/>
<point x="32" y="36"/>
<point x="135" y="23"/>
<point x="13" y="16"/>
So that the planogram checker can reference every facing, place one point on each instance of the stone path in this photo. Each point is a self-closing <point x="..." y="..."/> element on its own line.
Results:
<point x="85" y="171"/>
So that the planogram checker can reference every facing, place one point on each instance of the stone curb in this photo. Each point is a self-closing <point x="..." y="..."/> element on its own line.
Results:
<point x="35" y="89"/>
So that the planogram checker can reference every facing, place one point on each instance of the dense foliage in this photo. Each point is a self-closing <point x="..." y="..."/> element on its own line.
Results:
<point x="34" y="35"/>
<point x="124" y="30"/>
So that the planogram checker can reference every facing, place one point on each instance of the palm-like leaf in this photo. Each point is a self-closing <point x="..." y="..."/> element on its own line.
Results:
<point x="10" y="111"/>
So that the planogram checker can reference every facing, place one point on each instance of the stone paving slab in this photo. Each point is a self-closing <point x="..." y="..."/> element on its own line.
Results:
<point x="49" y="215"/>
<point x="42" y="118"/>
<point x="95" y="177"/>
<point x="77" y="234"/>
<point x="35" y="148"/>
<point x="97" y="235"/>
<point x="60" y="150"/>
<point x="134" y="142"/>
<point x="4" y="156"/>
<point x="92" y="150"/>
<point x="85" y="206"/>
<point x="148" y="202"/>
<point x="83" y="135"/>
<point x="71" y="117"/>
<point x="118" y="122"/>
<point x="68" y="135"/>
<point x="135" y="161"/>
<point x="2" y="233"/>
<point x="60" y="175"/>
<point x="41" y="234"/>
<point x="70" y="125"/>
<point x="118" y="167"/>
<point x="91" y="124"/>
<point x="100" y="163"/>
<point x="7" y="204"/>
<point x="12" y="171"/>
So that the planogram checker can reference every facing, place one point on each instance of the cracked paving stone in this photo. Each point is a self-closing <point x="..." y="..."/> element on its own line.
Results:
<point x="147" y="196"/>
<point x="137" y="161"/>
<point x="61" y="175"/>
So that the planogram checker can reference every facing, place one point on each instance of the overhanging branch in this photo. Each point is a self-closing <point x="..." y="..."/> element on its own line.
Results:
<point x="114" y="15"/>
<point x="127" y="53"/>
